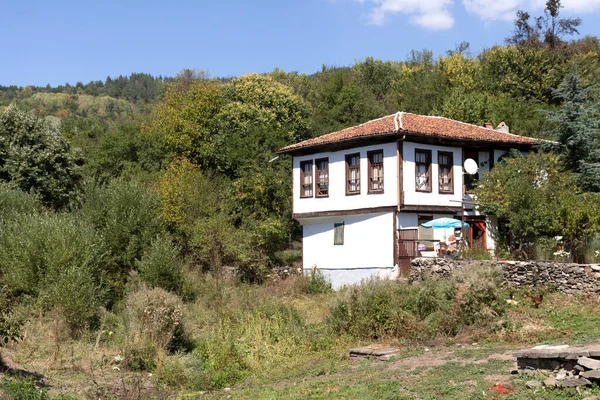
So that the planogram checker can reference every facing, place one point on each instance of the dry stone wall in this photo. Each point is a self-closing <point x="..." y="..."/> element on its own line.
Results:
<point x="568" y="278"/>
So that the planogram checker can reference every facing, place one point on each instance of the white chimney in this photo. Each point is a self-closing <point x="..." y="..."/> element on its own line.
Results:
<point x="502" y="127"/>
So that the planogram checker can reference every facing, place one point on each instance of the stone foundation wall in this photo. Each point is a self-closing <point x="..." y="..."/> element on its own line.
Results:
<point x="568" y="278"/>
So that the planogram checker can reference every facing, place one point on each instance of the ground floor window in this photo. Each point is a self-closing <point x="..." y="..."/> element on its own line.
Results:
<point x="338" y="233"/>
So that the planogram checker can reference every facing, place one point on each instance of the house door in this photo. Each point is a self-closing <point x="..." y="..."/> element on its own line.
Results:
<point x="476" y="235"/>
<point x="407" y="248"/>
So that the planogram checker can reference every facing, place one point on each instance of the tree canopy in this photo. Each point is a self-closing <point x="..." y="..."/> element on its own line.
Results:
<point x="34" y="156"/>
<point x="576" y="132"/>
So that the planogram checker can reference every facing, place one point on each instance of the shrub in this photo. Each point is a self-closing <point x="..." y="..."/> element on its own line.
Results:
<point x="141" y="355"/>
<point x="153" y="315"/>
<point x="479" y="296"/>
<point x="126" y="214"/>
<point x="58" y="259"/>
<point x="222" y="358"/>
<point x="14" y="202"/>
<point x="25" y="389"/>
<point x="184" y="371"/>
<point x="378" y="308"/>
<point x="289" y="257"/>
<point x="9" y="325"/>
<point x="34" y="156"/>
<point x="215" y="241"/>
<point x="160" y="265"/>
<point x="314" y="283"/>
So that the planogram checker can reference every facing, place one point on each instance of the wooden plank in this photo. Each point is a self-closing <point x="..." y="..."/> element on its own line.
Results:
<point x="435" y="209"/>
<point x="395" y="238"/>
<point x="400" y="162"/>
<point x="338" y="213"/>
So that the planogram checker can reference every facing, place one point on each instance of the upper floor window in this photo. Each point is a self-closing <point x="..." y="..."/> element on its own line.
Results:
<point x="353" y="173"/>
<point x="375" y="171"/>
<point x="445" y="169"/>
<point x="423" y="170"/>
<point x="322" y="177"/>
<point x="306" y="179"/>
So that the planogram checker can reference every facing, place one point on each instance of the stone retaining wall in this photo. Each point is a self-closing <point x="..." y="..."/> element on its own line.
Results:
<point x="568" y="278"/>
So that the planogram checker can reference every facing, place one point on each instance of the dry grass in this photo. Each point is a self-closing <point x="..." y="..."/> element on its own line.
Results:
<point x="253" y="336"/>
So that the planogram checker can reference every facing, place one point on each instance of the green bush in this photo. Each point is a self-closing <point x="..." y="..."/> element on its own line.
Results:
<point x="224" y="362"/>
<point x="183" y="371"/>
<point x="10" y="326"/>
<point x="14" y="202"/>
<point x="263" y="337"/>
<point x="289" y="257"/>
<point x="25" y="389"/>
<point x="380" y="308"/>
<point x="376" y="309"/>
<point x="315" y="283"/>
<point x="479" y="296"/>
<point x="140" y="355"/>
<point x="160" y="265"/>
<point x="59" y="260"/>
<point x="126" y="214"/>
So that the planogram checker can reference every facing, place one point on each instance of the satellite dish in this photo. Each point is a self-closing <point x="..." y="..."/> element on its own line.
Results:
<point x="471" y="166"/>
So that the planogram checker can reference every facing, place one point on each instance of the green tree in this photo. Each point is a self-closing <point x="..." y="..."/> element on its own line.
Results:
<point x="127" y="152"/>
<point x="34" y="156"/>
<point x="422" y="87"/>
<point x="576" y="131"/>
<point x="377" y="76"/>
<point x="340" y="101"/>
<point x="538" y="199"/>
<point x="186" y="117"/>
<point x="260" y="116"/>
<point x="524" y="73"/>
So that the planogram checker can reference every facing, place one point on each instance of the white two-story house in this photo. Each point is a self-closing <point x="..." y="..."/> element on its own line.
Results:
<point x="362" y="193"/>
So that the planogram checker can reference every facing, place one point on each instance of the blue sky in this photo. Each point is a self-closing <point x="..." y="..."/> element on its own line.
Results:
<point x="69" y="41"/>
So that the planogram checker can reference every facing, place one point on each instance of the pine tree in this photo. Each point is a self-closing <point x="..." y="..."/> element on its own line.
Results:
<point x="576" y="131"/>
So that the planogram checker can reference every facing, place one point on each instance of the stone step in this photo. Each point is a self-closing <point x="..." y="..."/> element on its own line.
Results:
<point x="559" y="352"/>
<point x="377" y="352"/>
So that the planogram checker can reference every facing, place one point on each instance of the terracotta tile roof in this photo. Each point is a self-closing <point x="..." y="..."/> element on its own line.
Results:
<point x="416" y="124"/>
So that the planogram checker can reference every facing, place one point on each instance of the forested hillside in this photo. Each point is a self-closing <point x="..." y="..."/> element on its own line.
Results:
<point x="173" y="134"/>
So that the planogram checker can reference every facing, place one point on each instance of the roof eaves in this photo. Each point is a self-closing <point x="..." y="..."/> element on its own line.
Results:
<point x="285" y="150"/>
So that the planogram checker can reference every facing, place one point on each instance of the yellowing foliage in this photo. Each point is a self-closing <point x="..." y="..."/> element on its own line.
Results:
<point x="186" y="117"/>
<point x="461" y="71"/>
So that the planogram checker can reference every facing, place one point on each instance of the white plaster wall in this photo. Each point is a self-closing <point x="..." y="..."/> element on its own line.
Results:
<point x="498" y="154"/>
<point x="338" y="200"/>
<point x="411" y="196"/>
<point x="368" y="245"/>
<point x="491" y="231"/>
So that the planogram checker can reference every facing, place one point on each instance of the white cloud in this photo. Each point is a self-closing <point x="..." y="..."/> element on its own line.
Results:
<point x="430" y="14"/>
<point x="491" y="10"/>
<point x="436" y="15"/>
<point x="581" y="6"/>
